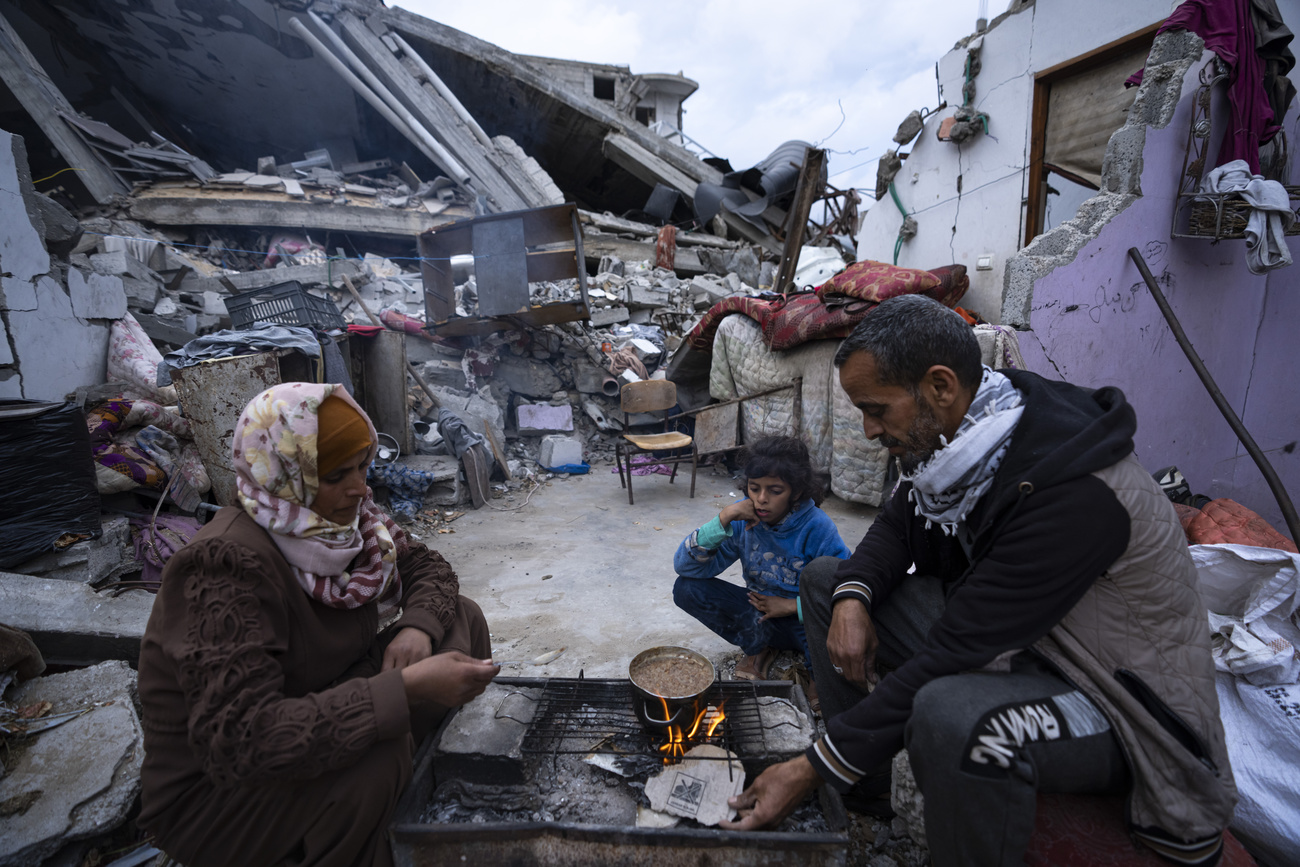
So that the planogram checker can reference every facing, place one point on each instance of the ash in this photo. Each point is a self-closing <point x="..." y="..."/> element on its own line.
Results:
<point x="564" y="788"/>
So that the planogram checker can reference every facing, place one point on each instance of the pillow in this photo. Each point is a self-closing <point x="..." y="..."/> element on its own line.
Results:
<point x="876" y="281"/>
<point x="799" y="318"/>
<point x="953" y="283"/>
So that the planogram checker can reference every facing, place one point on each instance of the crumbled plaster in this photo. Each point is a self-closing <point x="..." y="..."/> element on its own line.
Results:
<point x="1171" y="57"/>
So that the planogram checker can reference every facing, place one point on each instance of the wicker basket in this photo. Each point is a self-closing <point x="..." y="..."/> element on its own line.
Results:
<point x="1204" y="219"/>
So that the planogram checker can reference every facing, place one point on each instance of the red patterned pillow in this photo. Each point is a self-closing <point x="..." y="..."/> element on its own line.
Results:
<point x="797" y="319"/>
<point x="877" y="281"/>
<point x="953" y="283"/>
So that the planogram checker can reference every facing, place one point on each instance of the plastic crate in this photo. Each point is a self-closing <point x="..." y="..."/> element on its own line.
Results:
<point x="285" y="304"/>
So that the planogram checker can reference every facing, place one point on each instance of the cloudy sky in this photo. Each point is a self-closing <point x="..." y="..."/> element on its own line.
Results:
<point x="768" y="71"/>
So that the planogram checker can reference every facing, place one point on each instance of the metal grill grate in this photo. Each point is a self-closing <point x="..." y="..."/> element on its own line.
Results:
<point x="576" y="715"/>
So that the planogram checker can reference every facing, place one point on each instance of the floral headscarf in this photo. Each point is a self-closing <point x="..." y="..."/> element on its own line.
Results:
<point x="275" y="464"/>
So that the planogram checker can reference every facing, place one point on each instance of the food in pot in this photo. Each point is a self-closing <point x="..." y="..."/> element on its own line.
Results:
<point x="670" y="676"/>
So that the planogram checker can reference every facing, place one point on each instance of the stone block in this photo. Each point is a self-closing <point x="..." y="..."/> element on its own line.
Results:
<point x="559" y="450"/>
<point x="100" y="296"/>
<point x="484" y="740"/>
<point x="590" y="379"/>
<point x="601" y="316"/>
<point x="17" y="294"/>
<point x="535" y="418"/>
<point x="142" y="294"/>
<point x="448" y="488"/>
<point x="527" y="377"/>
<point x="77" y="780"/>
<point x="122" y="263"/>
<point x="443" y="371"/>
<point x="644" y="316"/>
<point x="71" y="623"/>
<point x="643" y="296"/>
<point x="56" y="351"/>
<point x="214" y="303"/>
<point x="21" y="245"/>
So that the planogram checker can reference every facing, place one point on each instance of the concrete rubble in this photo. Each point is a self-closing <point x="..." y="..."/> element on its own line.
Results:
<point x="178" y="206"/>
<point x="78" y="779"/>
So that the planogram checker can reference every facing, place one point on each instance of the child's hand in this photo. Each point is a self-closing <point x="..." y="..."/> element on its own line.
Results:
<point x="773" y="606"/>
<point x="742" y="511"/>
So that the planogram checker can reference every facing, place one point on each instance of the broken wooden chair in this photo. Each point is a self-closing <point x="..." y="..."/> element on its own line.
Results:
<point x="650" y="396"/>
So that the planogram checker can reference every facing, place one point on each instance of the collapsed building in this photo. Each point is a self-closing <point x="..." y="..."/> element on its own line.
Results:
<point x="529" y="234"/>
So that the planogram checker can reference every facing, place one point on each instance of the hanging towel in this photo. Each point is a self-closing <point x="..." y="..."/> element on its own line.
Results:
<point x="1270" y="214"/>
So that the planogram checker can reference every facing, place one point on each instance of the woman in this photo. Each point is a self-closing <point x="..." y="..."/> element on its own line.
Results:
<point x="278" y="722"/>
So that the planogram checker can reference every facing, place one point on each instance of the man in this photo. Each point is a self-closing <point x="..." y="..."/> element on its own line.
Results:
<point x="1050" y="637"/>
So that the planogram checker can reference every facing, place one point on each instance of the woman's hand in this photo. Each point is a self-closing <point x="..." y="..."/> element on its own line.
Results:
<point x="773" y="606"/>
<point x="742" y="511"/>
<point x="449" y="679"/>
<point x="408" y="647"/>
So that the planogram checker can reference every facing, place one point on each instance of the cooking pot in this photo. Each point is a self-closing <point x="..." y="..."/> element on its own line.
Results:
<point x="650" y="705"/>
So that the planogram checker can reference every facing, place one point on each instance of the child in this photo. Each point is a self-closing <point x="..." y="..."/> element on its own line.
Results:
<point x="774" y="532"/>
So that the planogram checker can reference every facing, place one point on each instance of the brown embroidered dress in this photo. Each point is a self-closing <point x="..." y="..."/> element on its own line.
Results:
<point x="271" y="736"/>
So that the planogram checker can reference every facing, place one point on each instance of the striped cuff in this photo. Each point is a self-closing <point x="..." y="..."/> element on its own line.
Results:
<point x="1204" y="852"/>
<point x="852" y="590"/>
<point x="831" y="765"/>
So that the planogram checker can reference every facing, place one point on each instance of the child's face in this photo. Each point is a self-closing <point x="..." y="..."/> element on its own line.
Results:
<point x="771" y="498"/>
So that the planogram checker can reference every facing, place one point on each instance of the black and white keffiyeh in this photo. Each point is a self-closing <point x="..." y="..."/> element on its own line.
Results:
<point x="947" y="486"/>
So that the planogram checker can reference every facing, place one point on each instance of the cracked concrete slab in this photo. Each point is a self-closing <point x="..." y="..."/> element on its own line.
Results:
<point x="79" y="779"/>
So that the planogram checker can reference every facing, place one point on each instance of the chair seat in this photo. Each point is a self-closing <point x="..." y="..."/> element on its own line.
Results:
<point x="659" y="442"/>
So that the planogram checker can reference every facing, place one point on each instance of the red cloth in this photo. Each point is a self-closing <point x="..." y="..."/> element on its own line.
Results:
<point x="666" y="248"/>
<point x="1226" y="521"/>
<point x="878" y="281"/>
<point x="797" y="319"/>
<point x="953" y="283"/>
<point x="406" y="324"/>
<point x="701" y="336"/>
<point x="365" y="330"/>
<point x="1228" y="31"/>
<point x="1088" y="831"/>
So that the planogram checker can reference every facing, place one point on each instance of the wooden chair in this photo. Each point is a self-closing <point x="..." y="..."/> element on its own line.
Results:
<point x="651" y="395"/>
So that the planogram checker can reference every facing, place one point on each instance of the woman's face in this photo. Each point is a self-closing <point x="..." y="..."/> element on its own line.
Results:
<point x="771" y="497"/>
<point x="340" y="493"/>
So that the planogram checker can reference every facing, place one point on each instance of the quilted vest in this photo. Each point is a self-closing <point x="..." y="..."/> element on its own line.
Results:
<point x="1138" y="645"/>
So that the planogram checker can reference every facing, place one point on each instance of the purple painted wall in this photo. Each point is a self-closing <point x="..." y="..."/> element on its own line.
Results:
<point x="1094" y="323"/>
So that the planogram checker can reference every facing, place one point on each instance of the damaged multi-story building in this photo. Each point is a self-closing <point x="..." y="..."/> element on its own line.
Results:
<point x="1043" y="170"/>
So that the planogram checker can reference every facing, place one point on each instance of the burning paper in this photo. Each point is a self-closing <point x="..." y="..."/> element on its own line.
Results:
<point x="698" y="787"/>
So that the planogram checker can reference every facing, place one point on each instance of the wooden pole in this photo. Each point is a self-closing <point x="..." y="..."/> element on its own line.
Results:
<point x="805" y="193"/>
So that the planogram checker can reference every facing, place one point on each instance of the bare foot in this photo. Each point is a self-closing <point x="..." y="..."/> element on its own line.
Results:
<point x="755" y="667"/>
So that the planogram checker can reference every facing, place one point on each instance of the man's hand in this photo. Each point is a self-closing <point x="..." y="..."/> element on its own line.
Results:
<point x="408" y="647"/>
<point x="773" y="796"/>
<point x="742" y="511"/>
<point x="851" y="642"/>
<point x="773" y="606"/>
<point x="449" y="679"/>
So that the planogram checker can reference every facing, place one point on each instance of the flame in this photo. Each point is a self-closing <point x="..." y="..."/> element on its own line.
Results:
<point x="717" y="720"/>
<point x="679" y="738"/>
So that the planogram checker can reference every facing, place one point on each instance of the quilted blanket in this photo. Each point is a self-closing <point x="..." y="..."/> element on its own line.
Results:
<point x="831" y="425"/>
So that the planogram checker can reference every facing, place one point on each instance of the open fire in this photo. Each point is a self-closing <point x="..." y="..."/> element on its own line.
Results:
<point x="679" y="739"/>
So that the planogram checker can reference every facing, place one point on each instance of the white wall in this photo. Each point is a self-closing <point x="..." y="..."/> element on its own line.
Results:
<point x="986" y="216"/>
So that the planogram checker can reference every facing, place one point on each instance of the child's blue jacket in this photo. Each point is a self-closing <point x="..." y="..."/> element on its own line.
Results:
<point x="772" y="558"/>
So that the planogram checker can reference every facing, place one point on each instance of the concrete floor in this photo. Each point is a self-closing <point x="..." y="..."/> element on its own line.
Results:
<point x="578" y="568"/>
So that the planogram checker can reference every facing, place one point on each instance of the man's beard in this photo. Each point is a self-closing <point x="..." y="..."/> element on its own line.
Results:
<point x="922" y="437"/>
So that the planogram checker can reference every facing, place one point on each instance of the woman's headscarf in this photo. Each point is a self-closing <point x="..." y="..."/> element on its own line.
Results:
<point x="275" y="459"/>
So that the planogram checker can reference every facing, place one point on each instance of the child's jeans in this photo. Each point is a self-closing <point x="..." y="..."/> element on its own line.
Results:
<point x="724" y="607"/>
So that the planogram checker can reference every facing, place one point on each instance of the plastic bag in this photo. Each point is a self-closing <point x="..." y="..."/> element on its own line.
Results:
<point x="1253" y="594"/>
<point x="1262" y="727"/>
<point x="48" y="478"/>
